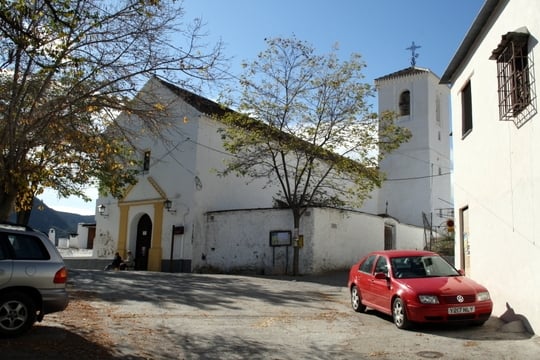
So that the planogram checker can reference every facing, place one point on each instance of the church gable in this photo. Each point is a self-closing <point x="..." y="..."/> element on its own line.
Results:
<point x="147" y="188"/>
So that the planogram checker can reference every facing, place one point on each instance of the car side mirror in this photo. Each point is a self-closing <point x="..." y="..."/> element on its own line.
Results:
<point x="381" y="276"/>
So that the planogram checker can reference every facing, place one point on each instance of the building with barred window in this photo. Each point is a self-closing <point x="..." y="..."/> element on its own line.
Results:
<point x="496" y="144"/>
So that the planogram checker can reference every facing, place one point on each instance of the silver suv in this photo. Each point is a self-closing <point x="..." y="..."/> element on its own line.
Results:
<point x="33" y="278"/>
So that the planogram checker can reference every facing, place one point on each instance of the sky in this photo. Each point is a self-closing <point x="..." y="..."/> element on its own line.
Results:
<point x="379" y="30"/>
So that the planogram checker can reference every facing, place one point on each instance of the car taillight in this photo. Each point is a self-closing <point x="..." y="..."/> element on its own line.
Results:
<point x="61" y="276"/>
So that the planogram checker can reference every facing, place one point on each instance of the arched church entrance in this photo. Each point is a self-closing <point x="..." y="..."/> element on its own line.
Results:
<point x="143" y="243"/>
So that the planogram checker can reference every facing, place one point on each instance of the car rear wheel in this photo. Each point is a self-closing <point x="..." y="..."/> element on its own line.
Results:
<point x="399" y="314"/>
<point x="356" y="300"/>
<point x="17" y="313"/>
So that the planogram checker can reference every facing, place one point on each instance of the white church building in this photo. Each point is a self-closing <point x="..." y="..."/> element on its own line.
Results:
<point x="182" y="217"/>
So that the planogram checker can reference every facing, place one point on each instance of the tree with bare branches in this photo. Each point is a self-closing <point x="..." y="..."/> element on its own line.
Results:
<point x="304" y="121"/>
<point x="67" y="68"/>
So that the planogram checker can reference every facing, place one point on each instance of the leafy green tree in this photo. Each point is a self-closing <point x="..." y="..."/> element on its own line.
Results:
<point x="67" y="69"/>
<point x="304" y="122"/>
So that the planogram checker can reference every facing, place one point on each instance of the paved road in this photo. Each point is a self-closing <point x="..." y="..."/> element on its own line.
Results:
<point x="145" y="315"/>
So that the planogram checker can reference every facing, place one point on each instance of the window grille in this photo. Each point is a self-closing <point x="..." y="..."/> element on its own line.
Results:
<point x="515" y="75"/>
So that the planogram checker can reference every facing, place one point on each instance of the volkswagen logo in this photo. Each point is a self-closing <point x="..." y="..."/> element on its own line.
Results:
<point x="460" y="298"/>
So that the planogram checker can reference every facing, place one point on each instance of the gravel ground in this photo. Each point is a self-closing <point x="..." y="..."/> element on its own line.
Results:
<point x="145" y="315"/>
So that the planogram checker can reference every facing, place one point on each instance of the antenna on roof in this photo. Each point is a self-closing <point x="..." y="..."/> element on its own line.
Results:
<point x="414" y="55"/>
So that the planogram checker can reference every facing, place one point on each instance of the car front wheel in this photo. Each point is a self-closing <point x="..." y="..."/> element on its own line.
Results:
<point x="17" y="313"/>
<point x="356" y="300"/>
<point x="399" y="314"/>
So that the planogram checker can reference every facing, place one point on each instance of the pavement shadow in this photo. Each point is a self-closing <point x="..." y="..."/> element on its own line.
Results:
<point x="54" y="343"/>
<point x="334" y="278"/>
<point x="202" y="291"/>
<point x="228" y="346"/>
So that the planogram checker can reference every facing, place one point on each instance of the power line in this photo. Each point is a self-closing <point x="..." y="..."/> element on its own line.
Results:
<point x="232" y="155"/>
<point x="420" y="177"/>
<point x="421" y="160"/>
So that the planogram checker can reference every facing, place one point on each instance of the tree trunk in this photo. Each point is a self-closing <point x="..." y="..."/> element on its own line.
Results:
<point x="296" y="233"/>
<point x="23" y="217"/>
<point x="7" y="200"/>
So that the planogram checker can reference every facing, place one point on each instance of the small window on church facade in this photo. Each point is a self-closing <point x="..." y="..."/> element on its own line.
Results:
<point x="466" y="110"/>
<point x="146" y="161"/>
<point x="405" y="103"/>
<point x="515" y="78"/>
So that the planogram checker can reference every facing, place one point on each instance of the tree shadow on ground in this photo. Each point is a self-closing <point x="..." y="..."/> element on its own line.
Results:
<point x="54" y="343"/>
<point x="230" y="346"/>
<point x="332" y="278"/>
<point x="202" y="291"/>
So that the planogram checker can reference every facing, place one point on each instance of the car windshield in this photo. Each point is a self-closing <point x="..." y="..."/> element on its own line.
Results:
<point x="421" y="266"/>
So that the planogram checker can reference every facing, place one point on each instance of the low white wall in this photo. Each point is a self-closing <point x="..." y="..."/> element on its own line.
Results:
<point x="80" y="241"/>
<point x="410" y="237"/>
<point x="239" y="241"/>
<point x="340" y="238"/>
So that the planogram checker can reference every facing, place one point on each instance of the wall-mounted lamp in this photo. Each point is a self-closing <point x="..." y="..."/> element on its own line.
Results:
<point x="102" y="210"/>
<point x="168" y="205"/>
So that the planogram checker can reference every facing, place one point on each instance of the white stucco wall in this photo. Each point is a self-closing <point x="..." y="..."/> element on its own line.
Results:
<point x="333" y="240"/>
<point x="106" y="240"/>
<point x="184" y="169"/>
<point x="340" y="238"/>
<point x="80" y="240"/>
<point x="497" y="175"/>
<point x="240" y="241"/>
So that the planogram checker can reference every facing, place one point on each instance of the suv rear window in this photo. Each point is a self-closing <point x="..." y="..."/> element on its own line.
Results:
<point x="24" y="247"/>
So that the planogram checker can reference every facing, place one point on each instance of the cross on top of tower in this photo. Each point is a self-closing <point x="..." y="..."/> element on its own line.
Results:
<point x="414" y="55"/>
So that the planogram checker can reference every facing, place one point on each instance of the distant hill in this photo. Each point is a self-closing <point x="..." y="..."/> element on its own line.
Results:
<point x="44" y="218"/>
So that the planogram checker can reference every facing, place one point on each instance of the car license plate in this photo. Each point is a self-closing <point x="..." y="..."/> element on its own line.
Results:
<point x="461" y="310"/>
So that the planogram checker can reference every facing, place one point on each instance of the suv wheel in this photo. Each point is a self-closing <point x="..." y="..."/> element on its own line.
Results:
<point x="17" y="313"/>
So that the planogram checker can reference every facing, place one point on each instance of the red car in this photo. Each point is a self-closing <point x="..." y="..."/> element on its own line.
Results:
<point x="417" y="287"/>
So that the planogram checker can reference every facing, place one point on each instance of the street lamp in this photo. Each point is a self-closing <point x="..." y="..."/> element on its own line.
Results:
<point x="101" y="210"/>
<point x="168" y="205"/>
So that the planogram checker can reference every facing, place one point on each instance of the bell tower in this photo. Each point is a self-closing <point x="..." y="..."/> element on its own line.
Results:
<point x="418" y="174"/>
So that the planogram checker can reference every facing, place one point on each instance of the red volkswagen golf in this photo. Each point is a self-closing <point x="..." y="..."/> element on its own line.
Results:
<point x="417" y="287"/>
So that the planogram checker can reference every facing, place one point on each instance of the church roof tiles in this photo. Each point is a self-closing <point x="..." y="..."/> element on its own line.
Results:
<point x="413" y="70"/>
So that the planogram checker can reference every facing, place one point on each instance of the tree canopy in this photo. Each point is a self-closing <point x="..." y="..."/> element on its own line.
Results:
<point x="305" y="122"/>
<point x="67" y="69"/>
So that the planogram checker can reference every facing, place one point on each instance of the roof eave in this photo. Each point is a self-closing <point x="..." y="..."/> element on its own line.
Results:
<point x="469" y="40"/>
<point x="410" y="71"/>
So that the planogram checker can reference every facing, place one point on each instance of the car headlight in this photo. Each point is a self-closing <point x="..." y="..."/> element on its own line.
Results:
<point x="428" y="299"/>
<point x="483" y="296"/>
